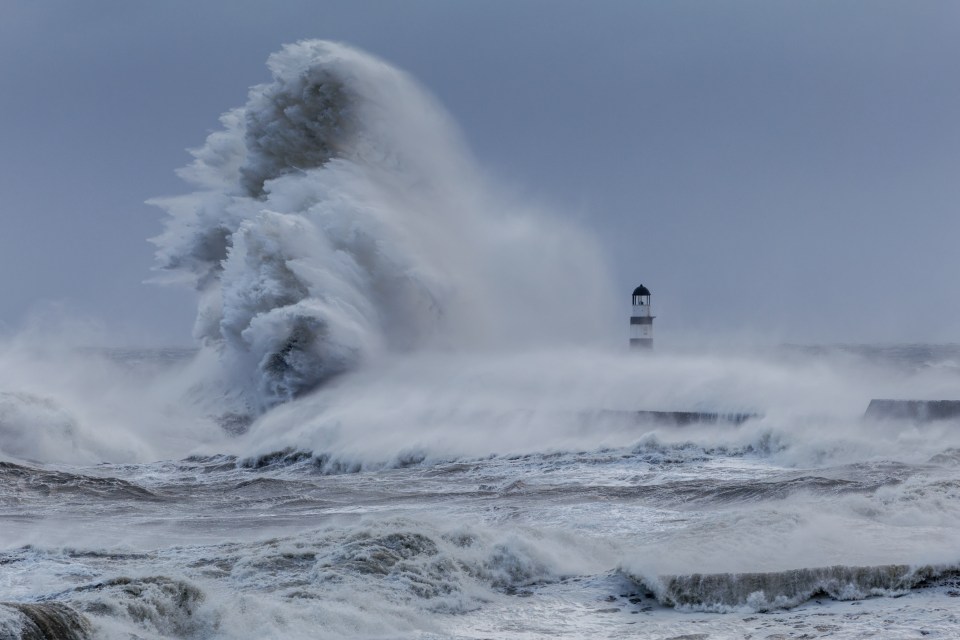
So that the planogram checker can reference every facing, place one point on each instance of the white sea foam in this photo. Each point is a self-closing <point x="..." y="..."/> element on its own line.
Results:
<point x="374" y="577"/>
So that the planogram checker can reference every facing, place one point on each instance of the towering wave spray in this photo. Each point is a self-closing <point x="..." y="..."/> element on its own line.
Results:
<point x="337" y="216"/>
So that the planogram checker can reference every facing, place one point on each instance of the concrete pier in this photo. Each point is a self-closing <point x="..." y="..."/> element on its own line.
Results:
<point x="681" y="418"/>
<point x="915" y="410"/>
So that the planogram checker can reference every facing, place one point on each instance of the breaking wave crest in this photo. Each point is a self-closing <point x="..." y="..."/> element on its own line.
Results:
<point x="42" y="621"/>
<point x="303" y="586"/>
<point x="337" y="216"/>
<point x="786" y="589"/>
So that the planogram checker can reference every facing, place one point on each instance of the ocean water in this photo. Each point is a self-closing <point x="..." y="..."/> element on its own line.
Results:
<point x="411" y="414"/>
<point x="790" y="524"/>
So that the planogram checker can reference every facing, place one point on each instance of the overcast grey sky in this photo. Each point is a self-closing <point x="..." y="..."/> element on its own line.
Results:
<point x="785" y="168"/>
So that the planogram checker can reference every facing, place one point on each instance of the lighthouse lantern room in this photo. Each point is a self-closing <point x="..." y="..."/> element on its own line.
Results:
<point x="641" y="320"/>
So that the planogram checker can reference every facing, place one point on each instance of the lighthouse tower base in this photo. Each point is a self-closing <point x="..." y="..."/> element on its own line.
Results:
<point x="641" y="343"/>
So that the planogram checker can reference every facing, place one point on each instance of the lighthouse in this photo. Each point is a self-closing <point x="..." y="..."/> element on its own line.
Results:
<point x="641" y="320"/>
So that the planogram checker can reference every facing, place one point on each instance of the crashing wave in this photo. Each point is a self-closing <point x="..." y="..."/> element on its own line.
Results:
<point x="19" y="481"/>
<point x="42" y="621"/>
<point x="788" y="589"/>
<point x="338" y="216"/>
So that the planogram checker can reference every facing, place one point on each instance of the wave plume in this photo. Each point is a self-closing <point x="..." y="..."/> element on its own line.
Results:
<point x="338" y="216"/>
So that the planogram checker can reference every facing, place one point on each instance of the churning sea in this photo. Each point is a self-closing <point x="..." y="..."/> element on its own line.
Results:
<point x="472" y="502"/>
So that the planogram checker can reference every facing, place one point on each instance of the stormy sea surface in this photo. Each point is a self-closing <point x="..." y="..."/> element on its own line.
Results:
<point x="550" y="521"/>
<point x="411" y="413"/>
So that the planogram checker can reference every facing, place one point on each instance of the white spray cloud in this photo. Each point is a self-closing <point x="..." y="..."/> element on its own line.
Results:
<point x="809" y="408"/>
<point x="338" y="217"/>
<point x="338" y="221"/>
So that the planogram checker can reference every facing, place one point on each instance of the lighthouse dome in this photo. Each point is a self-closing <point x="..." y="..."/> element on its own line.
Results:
<point x="641" y="291"/>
